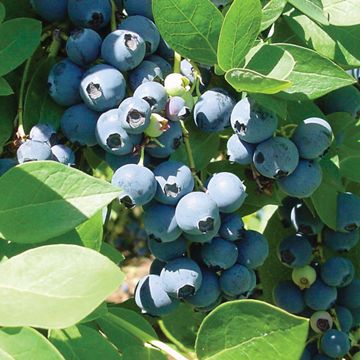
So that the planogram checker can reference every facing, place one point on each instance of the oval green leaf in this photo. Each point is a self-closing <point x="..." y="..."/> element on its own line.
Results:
<point x="8" y="111"/>
<point x="342" y="12"/>
<point x="54" y="286"/>
<point x="312" y="8"/>
<point x="191" y="29"/>
<point x="271" y="12"/>
<point x="250" y="329"/>
<point x="238" y="33"/>
<point x="5" y="88"/>
<point x="2" y="12"/>
<point x="19" y="38"/>
<point x="350" y="168"/>
<point x="42" y="200"/>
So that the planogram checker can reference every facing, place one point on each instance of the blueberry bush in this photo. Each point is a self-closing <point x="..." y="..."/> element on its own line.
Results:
<point x="224" y="134"/>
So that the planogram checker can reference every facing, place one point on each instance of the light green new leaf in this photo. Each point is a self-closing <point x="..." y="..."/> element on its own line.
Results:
<point x="5" y="88"/>
<point x="238" y="33"/>
<point x="19" y="38"/>
<point x="190" y="28"/>
<point x="271" y="12"/>
<point x="311" y="8"/>
<point x="342" y="12"/>
<point x="54" y="286"/>
<point x="42" y="200"/>
<point x="2" y="12"/>
<point x="251" y="330"/>
<point x="26" y="344"/>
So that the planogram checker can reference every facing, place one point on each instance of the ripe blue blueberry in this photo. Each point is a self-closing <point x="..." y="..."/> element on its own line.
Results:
<point x="154" y="93"/>
<point x="289" y="297"/>
<point x="102" y="87"/>
<point x="356" y="317"/>
<point x="166" y="67"/>
<point x="303" y="181"/>
<point x="320" y="296"/>
<point x="227" y="190"/>
<point x="205" y="237"/>
<point x="136" y="7"/>
<point x="339" y="241"/>
<point x="134" y="115"/>
<point x="253" y="249"/>
<point x="337" y="271"/>
<point x="344" y="317"/>
<point x="187" y="70"/>
<point x="349" y="296"/>
<point x="117" y="161"/>
<point x="145" y="28"/>
<point x="64" y="81"/>
<point x="285" y="209"/>
<point x="123" y="49"/>
<point x="312" y="137"/>
<point x="63" y="154"/>
<point x="253" y="123"/>
<point x="232" y="227"/>
<point x="174" y="180"/>
<point x="348" y="212"/>
<point x="181" y="278"/>
<point x="55" y="10"/>
<point x="43" y="133"/>
<point x="295" y="251"/>
<point x="240" y="151"/>
<point x="196" y="213"/>
<point x="304" y="221"/>
<point x="219" y="254"/>
<point x="335" y="343"/>
<point x="166" y="251"/>
<point x="276" y="158"/>
<point x="112" y="137"/>
<point x="32" y="150"/>
<point x="212" y="110"/>
<point x="94" y="14"/>
<point x="137" y="185"/>
<point x="156" y="267"/>
<point x="6" y="164"/>
<point x="83" y="46"/>
<point x="151" y="297"/>
<point x="177" y="109"/>
<point x="78" y="124"/>
<point x="145" y="72"/>
<point x="236" y="280"/>
<point x="165" y="51"/>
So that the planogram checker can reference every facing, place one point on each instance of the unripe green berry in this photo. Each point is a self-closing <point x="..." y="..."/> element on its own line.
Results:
<point x="304" y="276"/>
<point x="176" y="84"/>
<point x="157" y="126"/>
<point x="321" y="321"/>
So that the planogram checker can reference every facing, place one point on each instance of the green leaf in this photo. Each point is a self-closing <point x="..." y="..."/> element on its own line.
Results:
<point x="301" y="110"/>
<point x="278" y="106"/>
<point x="112" y="253"/>
<point x="41" y="200"/>
<point x="342" y="12"/>
<point x="311" y="8"/>
<point x="238" y="33"/>
<point x="54" y="286"/>
<point x="350" y="168"/>
<point x="8" y="111"/>
<point x="83" y="342"/>
<point x="26" y="343"/>
<point x="250" y="329"/>
<point x="313" y="75"/>
<point x="19" y="38"/>
<point x="204" y="147"/>
<point x="141" y="352"/>
<point x="2" y="12"/>
<point x="5" y="88"/>
<point x="191" y="29"/>
<point x="271" y="12"/>
<point x="252" y="81"/>
<point x="18" y="8"/>
<point x="99" y="312"/>
<point x="39" y="107"/>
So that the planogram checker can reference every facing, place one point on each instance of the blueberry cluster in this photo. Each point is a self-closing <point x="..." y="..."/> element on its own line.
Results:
<point x="203" y="253"/>
<point x="323" y="287"/>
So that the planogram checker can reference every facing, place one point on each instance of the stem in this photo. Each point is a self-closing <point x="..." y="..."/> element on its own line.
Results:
<point x="55" y="44"/>
<point x="177" y="61"/>
<point x="320" y="248"/>
<point x="113" y="16"/>
<point x="167" y="349"/>
<point x="142" y="156"/>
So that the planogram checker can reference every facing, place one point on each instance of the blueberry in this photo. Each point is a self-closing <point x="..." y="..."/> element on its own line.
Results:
<point x="55" y="10"/>
<point x="78" y="124"/>
<point x="174" y="180"/>
<point x="206" y="309"/>
<point x="209" y="291"/>
<point x="136" y="7"/>
<point x="64" y="81"/>
<point x="212" y="110"/>
<point x="232" y="227"/>
<point x="83" y="46"/>
<point x="303" y="182"/>
<point x="295" y="251"/>
<point x="177" y="109"/>
<point x="134" y="115"/>
<point x="160" y="222"/>
<point x="137" y="185"/>
<point x="63" y="154"/>
<point x="165" y="51"/>
<point x="123" y="49"/>
<point x="321" y="321"/>
<point x="304" y="276"/>
<point x="154" y="93"/>
<point x="348" y="212"/>
<point x="276" y="158"/>
<point x="187" y="70"/>
<point x="335" y="343"/>
<point x="102" y="87"/>
<point x="309" y="351"/>
<point x="156" y="267"/>
<point x="219" y="254"/>
<point x="196" y="213"/>
<point x="181" y="278"/>
<point x="205" y="237"/>
<point x="285" y="209"/>
<point x="312" y="137"/>
<point x="289" y="297"/>
<point x="349" y="296"/>
<point x="170" y="140"/>
<point x="32" y="150"/>
<point x="166" y="67"/>
<point x="337" y="271"/>
<point x="145" y="72"/>
<point x="236" y="280"/>
<point x="345" y="318"/>
<point x="6" y="164"/>
<point x="145" y="28"/>
<point x="166" y="251"/>
<point x="112" y="137"/>
<point x="304" y="221"/>
<point x="117" y="161"/>
<point x="240" y="151"/>
<point x="94" y="14"/>
<point x="320" y="296"/>
<point x="152" y="298"/>
<point x="43" y="133"/>
<point x="339" y="241"/>
<point x="356" y="317"/>
<point x="227" y="190"/>
<point x="253" y="249"/>
<point x="253" y="123"/>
